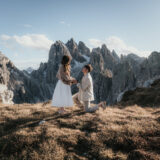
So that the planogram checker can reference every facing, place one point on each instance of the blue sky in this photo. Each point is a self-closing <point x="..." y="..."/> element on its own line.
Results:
<point x="29" y="27"/>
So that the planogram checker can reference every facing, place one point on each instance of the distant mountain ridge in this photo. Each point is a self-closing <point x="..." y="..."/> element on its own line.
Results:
<point x="112" y="74"/>
<point x="29" y="70"/>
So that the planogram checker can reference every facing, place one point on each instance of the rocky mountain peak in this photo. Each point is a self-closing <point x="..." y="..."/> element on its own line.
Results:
<point x="83" y="49"/>
<point x="57" y="50"/>
<point x="72" y="40"/>
<point x="6" y="66"/>
<point x="153" y="64"/>
<point x="105" y="51"/>
<point x="96" y="50"/>
<point x="74" y="51"/>
<point x="81" y="44"/>
<point x="29" y="70"/>
<point x="154" y="53"/>
<point x="20" y="87"/>
<point x="97" y="60"/>
<point x="71" y="44"/>
<point x="111" y="75"/>
<point x="154" y="57"/>
<point x="134" y="60"/>
<point x="109" y="59"/>
<point x="114" y="54"/>
<point x="3" y="58"/>
<point x="135" y="57"/>
<point x="104" y="47"/>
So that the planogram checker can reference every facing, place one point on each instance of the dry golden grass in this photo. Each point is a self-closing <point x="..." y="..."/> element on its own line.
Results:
<point x="113" y="134"/>
<point x="146" y="97"/>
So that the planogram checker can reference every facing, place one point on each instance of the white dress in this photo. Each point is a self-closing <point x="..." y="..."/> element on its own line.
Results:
<point x="62" y="96"/>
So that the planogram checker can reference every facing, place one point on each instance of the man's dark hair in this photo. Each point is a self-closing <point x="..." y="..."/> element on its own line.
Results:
<point x="88" y="67"/>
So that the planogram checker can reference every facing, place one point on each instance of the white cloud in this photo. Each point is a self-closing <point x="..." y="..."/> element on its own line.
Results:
<point x="65" y="23"/>
<point x="26" y="50"/>
<point x="62" y="22"/>
<point x="34" y="41"/>
<point x="5" y="37"/>
<point x="27" y="25"/>
<point x="118" y="45"/>
<point x="95" y="42"/>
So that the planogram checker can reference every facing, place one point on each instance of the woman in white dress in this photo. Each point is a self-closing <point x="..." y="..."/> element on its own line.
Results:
<point x="62" y="96"/>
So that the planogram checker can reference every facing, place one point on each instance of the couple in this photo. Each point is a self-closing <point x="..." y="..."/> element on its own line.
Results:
<point x="62" y="96"/>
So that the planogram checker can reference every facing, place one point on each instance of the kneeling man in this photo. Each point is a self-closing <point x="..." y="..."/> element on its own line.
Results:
<point x="85" y="93"/>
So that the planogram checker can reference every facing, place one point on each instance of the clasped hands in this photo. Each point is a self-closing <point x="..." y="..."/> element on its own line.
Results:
<point x="74" y="81"/>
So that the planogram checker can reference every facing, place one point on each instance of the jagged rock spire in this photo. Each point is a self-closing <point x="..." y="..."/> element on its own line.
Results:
<point x="74" y="50"/>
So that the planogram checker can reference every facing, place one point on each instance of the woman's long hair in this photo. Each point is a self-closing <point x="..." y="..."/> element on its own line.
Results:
<point x="66" y="60"/>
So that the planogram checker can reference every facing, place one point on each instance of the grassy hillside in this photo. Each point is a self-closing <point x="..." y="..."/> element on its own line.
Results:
<point x="143" y="96"/>
<point x="114" y="134"/>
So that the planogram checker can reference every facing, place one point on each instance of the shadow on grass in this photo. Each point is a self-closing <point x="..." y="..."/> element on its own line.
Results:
<point x="14" y="144"/>
<point x="13" y="125"/>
